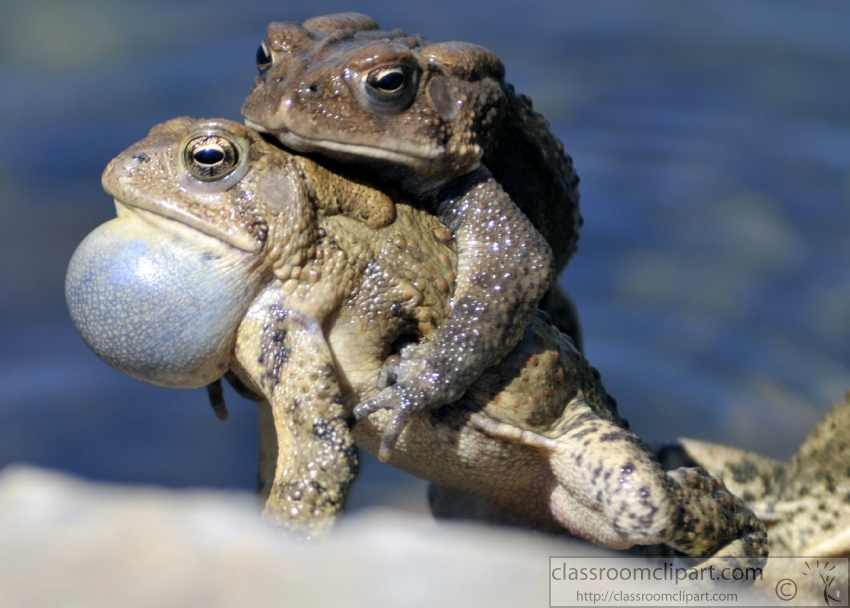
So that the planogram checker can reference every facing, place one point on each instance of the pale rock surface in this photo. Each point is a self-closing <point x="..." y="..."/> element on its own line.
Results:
<point x="68" y="542"/>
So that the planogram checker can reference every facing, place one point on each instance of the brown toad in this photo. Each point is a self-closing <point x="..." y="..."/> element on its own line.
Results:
<point x="308" y="304"/>
<point x="424" y="117"/>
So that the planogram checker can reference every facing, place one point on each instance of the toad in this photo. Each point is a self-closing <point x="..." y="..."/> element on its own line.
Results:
<point x="805" y="503"/>
<point x="438" y="122"/>
<point x="229" y="254"/>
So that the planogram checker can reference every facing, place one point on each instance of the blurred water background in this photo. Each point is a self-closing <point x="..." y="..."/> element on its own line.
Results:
<point x="713" y="272"/>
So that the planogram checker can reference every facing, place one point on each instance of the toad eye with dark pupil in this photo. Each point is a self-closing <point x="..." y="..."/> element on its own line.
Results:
<point x="208" y="156"/>
<point x="389" y="80"/>
<point x="211" y="157"/>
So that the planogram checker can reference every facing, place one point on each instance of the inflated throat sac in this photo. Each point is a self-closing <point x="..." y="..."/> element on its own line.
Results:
<point x="160" y="306"/>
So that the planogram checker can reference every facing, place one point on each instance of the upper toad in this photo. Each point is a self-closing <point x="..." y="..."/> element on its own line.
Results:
<point x="424" y="117"/>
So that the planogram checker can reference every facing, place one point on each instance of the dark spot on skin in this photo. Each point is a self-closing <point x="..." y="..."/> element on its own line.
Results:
<point x="830" y="483"/>
<point x="334" y="434"/>
<point x="322" y="429"/>
<point x="827" y="526"/>
<point x="581" y="434"/>
<point x="273" y="355"/>
<point x="273" y="360"/>
<point x="651" y="509"/>
<point x="586" y="417"/>
<point x="322" y="491"/>
<point x="628" y="468"/>
<point x="743" y="472"/>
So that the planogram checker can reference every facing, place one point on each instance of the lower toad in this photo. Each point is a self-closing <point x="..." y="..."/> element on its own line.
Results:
<point x="230" y="255"/>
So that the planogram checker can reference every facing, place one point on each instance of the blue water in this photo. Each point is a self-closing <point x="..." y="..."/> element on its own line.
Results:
<point x="713" y="144"/>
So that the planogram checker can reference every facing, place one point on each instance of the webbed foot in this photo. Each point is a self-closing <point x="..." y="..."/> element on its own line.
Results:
<point x="406" y="399"/>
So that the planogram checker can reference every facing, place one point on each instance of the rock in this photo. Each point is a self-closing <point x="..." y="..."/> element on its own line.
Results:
<point x="70" y="542"/>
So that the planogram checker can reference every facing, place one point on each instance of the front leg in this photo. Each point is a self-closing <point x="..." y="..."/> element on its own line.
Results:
<point x="287" y="357"/>
<point x="504" y="268"/>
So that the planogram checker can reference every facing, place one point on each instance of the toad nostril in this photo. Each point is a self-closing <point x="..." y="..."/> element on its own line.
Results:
<point x="311" y="90"/>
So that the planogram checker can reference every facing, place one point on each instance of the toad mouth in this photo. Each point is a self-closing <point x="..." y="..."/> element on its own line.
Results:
<point x="176" y="220"/>
<point x="402" y="155"/>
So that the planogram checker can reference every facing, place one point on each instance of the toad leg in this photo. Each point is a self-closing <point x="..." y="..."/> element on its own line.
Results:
<point x="504" y="268"/>
<point x="612" y="492"/>
<point x="285" y="354"/>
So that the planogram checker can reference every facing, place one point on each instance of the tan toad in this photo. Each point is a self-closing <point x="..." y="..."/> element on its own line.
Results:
<point x="805" y="504"/>
<point x="230" y="254"/>
<point x="308" y="306"/>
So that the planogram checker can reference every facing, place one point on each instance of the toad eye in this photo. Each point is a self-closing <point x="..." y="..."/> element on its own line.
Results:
<point x="388" y="80"/>
<point x="264" y="58"/>
<point x="210" y="157"/>
<point x="391" y="87"/>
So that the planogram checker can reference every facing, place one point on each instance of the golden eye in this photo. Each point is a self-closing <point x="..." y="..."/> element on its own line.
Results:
<point x="210" y="157"/>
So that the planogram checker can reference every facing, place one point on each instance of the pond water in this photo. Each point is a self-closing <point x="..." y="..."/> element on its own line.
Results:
<point x="713" y="272"/>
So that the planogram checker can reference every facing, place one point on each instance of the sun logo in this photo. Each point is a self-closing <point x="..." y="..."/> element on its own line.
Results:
<point x="824" y="571"/>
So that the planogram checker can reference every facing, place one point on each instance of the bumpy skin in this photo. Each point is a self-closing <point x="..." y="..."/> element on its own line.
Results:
<point x="805" y="504"/>
<point x="333" y="299"/>
<point x="542" y="424"/>
<point x="310" y="259"/>
<point x="448" y="111"/>
<point x="490" y="308"/>
<point x="459" y="113"/>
